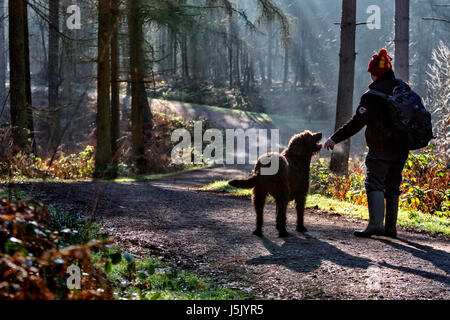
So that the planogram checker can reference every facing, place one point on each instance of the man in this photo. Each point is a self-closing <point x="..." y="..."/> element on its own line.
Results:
<point x="384" y="161"/>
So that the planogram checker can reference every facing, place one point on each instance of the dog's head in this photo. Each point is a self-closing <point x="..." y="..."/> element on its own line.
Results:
<point x="305" y="143"/>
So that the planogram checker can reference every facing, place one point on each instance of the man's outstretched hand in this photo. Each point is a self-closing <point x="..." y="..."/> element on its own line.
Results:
<point x="329" y="144"/>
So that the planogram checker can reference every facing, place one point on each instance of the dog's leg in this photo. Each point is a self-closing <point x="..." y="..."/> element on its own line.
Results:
<point x="300" y="207"/>
<point x="282" y="203"/>
<point x="259" y="200"/>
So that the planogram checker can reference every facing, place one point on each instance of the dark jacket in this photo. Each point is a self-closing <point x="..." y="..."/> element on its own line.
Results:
<point x="372" y="112"/>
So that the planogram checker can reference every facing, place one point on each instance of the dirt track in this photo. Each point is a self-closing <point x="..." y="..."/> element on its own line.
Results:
<point x="211" y="234"/>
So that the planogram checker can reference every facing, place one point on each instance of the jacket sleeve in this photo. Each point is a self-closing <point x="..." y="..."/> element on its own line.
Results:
<point x="355" y="124"/>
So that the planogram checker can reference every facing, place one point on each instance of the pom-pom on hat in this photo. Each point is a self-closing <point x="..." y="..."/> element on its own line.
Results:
<point x="380" y="63"/>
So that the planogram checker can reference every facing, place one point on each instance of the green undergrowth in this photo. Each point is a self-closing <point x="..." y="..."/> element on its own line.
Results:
<point x="407" y="218"/>
<point x="151" y="278"/>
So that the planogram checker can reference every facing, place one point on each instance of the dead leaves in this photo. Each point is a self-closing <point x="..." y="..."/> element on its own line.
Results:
<point x="32" y="266"/>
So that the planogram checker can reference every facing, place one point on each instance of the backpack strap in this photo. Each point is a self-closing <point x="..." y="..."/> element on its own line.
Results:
<point x="379" y="93"/>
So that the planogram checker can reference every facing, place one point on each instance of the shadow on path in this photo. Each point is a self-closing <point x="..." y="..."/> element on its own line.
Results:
<point x="306" y="254"/>
<point x="440" y="259"/>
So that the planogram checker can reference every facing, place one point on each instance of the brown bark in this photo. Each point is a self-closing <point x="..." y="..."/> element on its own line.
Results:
<point x="103" y="156"/>
<point x="2" y="54"/>
<point x="137" y="107"/>
<point x="115" y="84"/>
<point x="28" y="80"/>
<point x="339" y="159"/>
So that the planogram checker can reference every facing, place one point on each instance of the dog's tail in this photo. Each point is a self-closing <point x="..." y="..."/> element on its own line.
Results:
<point x="248" y="183"/>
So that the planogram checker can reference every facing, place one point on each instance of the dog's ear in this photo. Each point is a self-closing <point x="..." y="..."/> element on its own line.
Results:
<point x="301" y="143"/>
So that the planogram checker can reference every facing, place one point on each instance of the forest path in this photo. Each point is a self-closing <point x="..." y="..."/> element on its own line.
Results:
<point x="218" y="117"/>
<point x="211" y="234"/>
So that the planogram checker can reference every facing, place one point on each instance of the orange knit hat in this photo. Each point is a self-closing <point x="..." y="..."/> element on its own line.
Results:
<point x="380" y="63"/>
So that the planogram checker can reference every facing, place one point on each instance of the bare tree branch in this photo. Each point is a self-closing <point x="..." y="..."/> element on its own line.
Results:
<point x="437" y="19"/>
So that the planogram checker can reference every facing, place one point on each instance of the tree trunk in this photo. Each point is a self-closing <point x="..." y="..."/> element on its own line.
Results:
<point x="230" y="62"/>
<point x="28" y="80"/>
<point x="184" y="57"/>
<point x="261" y="68"/>
<point x="174" y="42"/>
<point x="19" y="118"/>
<point x="237" y="66"/>
<point x="115" y="84"/>
<point x="67" y="58"/>
<point x="339" y="159"/>
<point x="43" y="74"/>
<point x="103" y="156"/>
<point x="401" y="40"/>
<point x="53" y="71"/>
<point x="302" y="61"/>
<point x="286" y="63"/>
<point x="195" y="72"/>
<point x="2" y="54"/>
<point x="270" y="56"/>
<point x="137" y="119"/>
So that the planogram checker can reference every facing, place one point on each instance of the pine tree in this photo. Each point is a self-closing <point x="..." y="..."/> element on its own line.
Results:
<point x="103" y="156"/>
<point x="53" y="71"/>
<point x="19" y="118"/>
<point x="136" y="62"/>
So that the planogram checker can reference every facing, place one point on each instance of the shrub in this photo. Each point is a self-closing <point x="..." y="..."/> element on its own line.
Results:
<point x="73" y="166"/>
<point x="349" y="188"/>
<point x="425" y="183"/>
<point x="424" y="187"/>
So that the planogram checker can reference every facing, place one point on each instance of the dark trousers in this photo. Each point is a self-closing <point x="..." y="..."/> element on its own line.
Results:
<point x="384" y="172"/>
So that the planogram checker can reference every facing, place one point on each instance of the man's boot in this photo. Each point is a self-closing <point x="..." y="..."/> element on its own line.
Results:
<point x="390" y="229"/>
<point x="375" y="200"/>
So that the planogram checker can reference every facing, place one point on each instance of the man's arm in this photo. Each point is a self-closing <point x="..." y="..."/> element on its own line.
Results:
<point x="354" y="125"/>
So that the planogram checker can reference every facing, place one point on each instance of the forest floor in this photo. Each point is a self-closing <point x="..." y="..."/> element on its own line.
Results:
<point x="211" y="234"/>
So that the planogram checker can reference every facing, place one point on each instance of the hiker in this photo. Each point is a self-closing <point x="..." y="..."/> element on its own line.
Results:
<point x="385" y="160"/>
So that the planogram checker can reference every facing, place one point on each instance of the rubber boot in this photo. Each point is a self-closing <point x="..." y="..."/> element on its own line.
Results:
<point x="390" y="229"/>
<point x="375" y="201"/>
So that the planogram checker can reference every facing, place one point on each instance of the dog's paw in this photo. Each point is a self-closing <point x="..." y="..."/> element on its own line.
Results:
<point x="301" y="229"/>
<point x="283" y="234"/>
<point x="258" y="233"/>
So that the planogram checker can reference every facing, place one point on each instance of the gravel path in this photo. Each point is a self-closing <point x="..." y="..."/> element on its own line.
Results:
<point x="211" y="234"/>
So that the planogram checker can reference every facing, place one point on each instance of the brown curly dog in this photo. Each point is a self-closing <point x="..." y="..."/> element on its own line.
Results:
<point x="291" y="182"/>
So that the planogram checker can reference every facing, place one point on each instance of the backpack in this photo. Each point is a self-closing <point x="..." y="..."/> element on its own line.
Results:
<point x="409" y="121"/>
